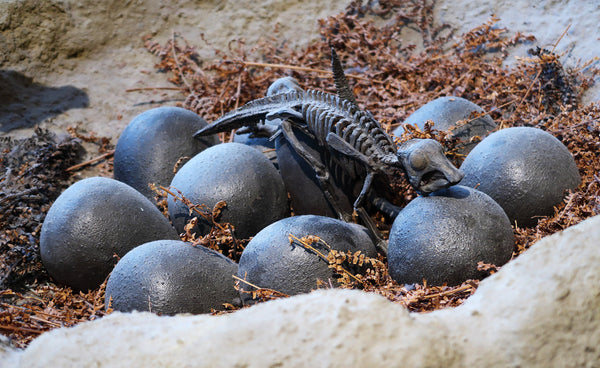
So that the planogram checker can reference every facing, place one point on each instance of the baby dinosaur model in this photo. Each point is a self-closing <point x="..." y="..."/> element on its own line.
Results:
<point x="349" y="139"/>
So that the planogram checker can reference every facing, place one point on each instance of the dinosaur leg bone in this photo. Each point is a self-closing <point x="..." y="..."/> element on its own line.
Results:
<point x="385" y="206"/>
<point x="376" y="236"/>
<point x="322" y="174"/>
<point x="337" y="144"/>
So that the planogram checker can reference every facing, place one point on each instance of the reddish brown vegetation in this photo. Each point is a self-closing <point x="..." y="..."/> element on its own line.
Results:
<point x="389" y="77"/>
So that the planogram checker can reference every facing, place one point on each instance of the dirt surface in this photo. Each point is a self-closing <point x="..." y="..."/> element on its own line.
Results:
<point x="66" y="63"/>
<point x="69" y="62"/>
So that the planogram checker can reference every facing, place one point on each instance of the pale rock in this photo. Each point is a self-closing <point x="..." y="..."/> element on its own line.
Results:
<point x="9" y="356"/>
<point x="542" y="309"/>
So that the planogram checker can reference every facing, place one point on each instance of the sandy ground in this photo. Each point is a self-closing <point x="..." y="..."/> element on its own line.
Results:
<point x="84" y="55"/>
<point x="70" y="62"/>
<point x="547" y="20"/>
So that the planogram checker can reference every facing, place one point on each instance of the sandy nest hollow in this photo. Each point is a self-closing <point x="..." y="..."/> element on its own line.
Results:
<point x="390" y="77"/>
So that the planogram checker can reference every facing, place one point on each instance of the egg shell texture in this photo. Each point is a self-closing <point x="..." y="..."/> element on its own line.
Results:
<point x="153" y="142"/>
<point x="271" y="261"/>
<point x="306" y="194"/>
<point x="92" y="221"/>
<point x="263" y="144"/>
<point x="445" y="112"/>
<point x="237" y="174"/>
<point x="442" y="237"/>
<point x="170" y="277"/>
<point x="526" y="170"/>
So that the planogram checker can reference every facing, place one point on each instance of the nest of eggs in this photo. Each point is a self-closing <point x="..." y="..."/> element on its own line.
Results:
<point x="390" y="79"/>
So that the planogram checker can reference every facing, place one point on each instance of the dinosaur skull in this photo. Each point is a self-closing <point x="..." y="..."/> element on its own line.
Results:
<point x="283" y="85"/>
<point x="426" y="166"/>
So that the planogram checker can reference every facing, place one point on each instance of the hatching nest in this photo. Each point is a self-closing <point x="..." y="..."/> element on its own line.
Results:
<point x="390" y="79"/>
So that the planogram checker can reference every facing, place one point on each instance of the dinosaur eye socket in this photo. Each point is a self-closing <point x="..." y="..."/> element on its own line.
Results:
<point x="418" y="160"/>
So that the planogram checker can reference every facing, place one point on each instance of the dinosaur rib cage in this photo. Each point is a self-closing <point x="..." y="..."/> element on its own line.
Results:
<point x="325" y="113"/>
<point x="322" y="113"/>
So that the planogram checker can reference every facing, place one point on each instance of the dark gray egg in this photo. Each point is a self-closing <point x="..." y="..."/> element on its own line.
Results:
<point x="262" y="144"/>
<point x="170" y="277"/>
<point x="91" y="224"/>
<point x="526" y="170"/>
<point x="306" y="194"/>
<point x="442" y="237"/>
<point x="153" y="142"/>
<point x="271" y="261"/>
<point x="237" y="174"/>
<point x="445" y="112"/>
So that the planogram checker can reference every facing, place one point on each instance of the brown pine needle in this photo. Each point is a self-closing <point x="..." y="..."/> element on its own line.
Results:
<point x="21" y="329"/>
<point x="560" y="38"/>
<point x="246" y="282"/>
<point x="180" y="198"/>
<point x="540" y="72"/>
<point x="237" y="92"/>
<point x="91" y="161"/>
<point x="308" y="246"/>
<point x="189" y="86"/>
<point x="152" y="89"/>
<point x="448" y="292"/>
<point x="324" y="257"/>
<point x="306" y="69"/>
<point x="492" y="110"/>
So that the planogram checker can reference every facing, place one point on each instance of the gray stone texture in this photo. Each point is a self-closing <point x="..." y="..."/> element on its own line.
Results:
<point x="526" y="170"/>
<point x="446" y="112"/>
<point x="237" y="174"/>
<point x="442" y="237"/>
<point x="271" y="261"/>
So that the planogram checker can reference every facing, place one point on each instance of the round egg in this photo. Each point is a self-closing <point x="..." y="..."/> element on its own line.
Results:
<point x="445" y="112"/>
<point x="152" y="144"/>
<point x="306" y="194"/>
<point x="526" y="170"/>
<point x="170" y="277"/>
<point x="91" y="224"/>
<point x="440" y="238"/>
<point x="262" y="144"/>
<point x="271" y="261"/>
<point x="237" y="174"/>
<point x="265" y="144"/>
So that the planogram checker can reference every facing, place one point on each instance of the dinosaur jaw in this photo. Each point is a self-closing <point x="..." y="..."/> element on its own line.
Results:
<point x="438" y="179"/>
<point x="426" y="166"/>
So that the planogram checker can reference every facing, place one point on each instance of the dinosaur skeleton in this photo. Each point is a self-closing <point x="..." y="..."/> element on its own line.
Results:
<point x="351" y="139"/>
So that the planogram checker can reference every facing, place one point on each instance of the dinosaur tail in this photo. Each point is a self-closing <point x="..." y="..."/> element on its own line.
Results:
<point x="252" y="113"/>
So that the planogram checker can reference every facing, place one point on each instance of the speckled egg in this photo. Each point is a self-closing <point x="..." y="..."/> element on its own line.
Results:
<point x="271" y="261"/>
<point x="526" y="170"/>
<point x="91" y="224"/>
<point x="445" y="112"/>
<point x="442" y="237"/>
<point x="237" y="174"/>
<point x="170" y="277"/>
<point x="153" y="142"/>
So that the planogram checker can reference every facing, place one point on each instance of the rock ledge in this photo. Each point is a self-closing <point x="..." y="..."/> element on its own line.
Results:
<point x="539" y="310"/>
